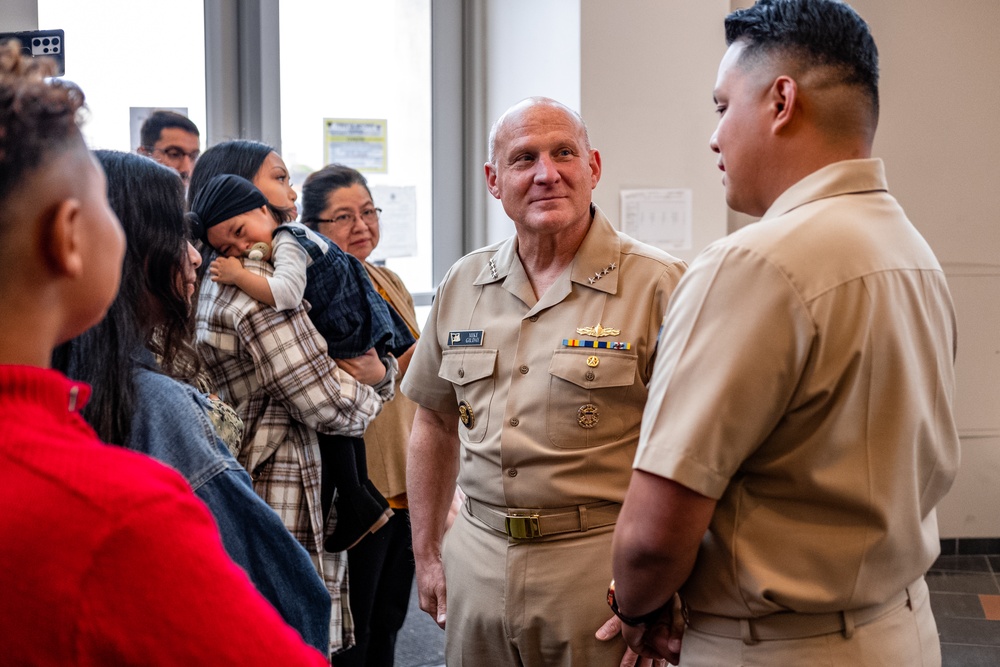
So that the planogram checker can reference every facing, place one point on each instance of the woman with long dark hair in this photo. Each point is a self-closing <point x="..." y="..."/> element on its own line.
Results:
<point x="139" y="361"/>
<point x="108" y="558"/>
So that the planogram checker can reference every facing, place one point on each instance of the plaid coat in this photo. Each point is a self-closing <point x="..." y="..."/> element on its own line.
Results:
<point x="273" y="367"/>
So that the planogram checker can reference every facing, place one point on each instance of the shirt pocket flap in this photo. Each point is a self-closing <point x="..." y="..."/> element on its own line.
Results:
<point x="611" y="370"/>
<point x="461" y="367"/>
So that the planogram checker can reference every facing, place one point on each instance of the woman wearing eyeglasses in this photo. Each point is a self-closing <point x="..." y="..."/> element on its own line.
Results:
<point x="337" y="203"/>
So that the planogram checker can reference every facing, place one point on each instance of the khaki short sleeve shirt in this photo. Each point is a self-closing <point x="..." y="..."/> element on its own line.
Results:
<point x="805" y="379"/>
<point x="544" y="421"/>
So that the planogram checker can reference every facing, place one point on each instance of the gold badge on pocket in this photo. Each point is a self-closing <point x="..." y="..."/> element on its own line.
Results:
<point x="587" y="416"/>
<point x="466" y="414"/>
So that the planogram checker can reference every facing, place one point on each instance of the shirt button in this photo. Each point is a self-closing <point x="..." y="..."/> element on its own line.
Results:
<point x="589" y="375"/>
<point x="514" y="421"/>
<point x="512" y="472"/>
<point x="461" y="372"/>
<point x="533" y="318"/>
<point x="524" y="370"/>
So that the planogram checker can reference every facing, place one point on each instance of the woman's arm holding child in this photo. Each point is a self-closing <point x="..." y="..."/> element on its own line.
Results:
<point x="230" y="271"/>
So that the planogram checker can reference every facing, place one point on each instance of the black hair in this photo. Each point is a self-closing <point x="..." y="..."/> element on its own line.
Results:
<point x="816" y="32"/>
<point x="151" y="310"/>
<point x="321" y="183"/>
<point x="38" y="119"/>
<point x="160" y="120"/>
<point x="240" y="157"/>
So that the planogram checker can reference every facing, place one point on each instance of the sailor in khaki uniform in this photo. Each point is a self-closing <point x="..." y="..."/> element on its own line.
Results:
<point x="531" y="379"/>
<point x="801" y="409"/>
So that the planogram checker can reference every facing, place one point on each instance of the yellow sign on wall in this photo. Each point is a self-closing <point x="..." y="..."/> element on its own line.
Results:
<point x="357" y="142"/>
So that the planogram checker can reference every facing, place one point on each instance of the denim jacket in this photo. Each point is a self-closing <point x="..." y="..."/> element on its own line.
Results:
<point x="171" y="425"/>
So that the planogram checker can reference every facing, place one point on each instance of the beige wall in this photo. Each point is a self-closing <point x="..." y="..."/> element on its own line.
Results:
<point x="647" y="70"/>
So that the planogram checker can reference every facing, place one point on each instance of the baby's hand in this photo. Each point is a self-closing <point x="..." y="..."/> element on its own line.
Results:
<point x="225" y="270"/>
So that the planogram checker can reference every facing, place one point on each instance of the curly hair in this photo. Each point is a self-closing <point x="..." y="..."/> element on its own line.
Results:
<point x="38" y="117"/>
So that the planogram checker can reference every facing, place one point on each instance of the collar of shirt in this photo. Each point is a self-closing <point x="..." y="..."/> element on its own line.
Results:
<point x="839" y="178"/>
<point x="595" y="265"/>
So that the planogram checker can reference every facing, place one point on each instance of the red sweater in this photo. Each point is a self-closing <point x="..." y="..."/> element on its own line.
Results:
<point x="107" y="557"/>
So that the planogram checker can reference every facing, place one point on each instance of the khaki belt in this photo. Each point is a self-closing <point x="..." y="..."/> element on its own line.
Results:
<point x="793" y="625"/>
<point x="526" y="524"/>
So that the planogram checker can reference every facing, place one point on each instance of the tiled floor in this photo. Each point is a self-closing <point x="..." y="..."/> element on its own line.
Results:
<point x="420" y="642"/>
<point x="965" y="597"/>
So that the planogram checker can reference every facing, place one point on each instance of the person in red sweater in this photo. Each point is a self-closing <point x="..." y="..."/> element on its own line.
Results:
<point x="107" y="557"/>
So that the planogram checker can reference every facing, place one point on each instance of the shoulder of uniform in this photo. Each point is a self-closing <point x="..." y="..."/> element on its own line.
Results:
<point x="635" y="248"/>
<point x="477" y="260"/>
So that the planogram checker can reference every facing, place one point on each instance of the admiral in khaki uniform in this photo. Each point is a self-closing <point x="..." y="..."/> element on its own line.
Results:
<point x="531" y="380"/>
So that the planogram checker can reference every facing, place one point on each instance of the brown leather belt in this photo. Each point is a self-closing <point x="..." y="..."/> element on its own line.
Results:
<point x="526" y="524"/>
<point x="793" y="625"/>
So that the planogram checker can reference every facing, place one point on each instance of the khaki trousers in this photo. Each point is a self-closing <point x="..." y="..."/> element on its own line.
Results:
<point x="532" y="603"/>
<point x="903" y="637"/>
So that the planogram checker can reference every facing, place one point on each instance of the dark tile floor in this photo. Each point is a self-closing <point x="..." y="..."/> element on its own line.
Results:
<point x="420" y="642"/>
<point x="965" y="597"/>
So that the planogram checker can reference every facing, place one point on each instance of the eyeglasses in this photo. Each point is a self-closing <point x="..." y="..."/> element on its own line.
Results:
<point x="175" y="153"/>
<point x="369" y="216"/>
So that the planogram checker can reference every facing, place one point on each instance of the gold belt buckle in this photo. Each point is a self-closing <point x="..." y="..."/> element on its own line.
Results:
<point x="522" y="527"/>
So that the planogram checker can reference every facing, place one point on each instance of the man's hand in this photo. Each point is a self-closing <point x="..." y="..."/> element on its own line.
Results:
<point x="431" y="589"/>
<point x="652" y="646"/>
<point x="366" y="369"/>
<point x="226" y="270"/>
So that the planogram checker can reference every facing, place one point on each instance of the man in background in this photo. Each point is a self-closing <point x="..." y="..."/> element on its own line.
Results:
<point x="172" y="140"/>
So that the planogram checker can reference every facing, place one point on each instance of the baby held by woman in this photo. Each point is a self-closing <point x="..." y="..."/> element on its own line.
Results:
<point x="233" y="217"/>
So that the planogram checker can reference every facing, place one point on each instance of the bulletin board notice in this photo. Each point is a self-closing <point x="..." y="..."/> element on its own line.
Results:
<point x="357" y="142"/>
<point x="658" y="216"/>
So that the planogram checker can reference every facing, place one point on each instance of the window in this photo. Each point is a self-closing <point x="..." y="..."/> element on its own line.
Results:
<point x="131" y="54"/>
<point x="363" y="60"/>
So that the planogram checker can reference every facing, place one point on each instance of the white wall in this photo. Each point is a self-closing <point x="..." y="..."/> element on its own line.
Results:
<point x="649" y="67"/>
<point x="532" y="48"/>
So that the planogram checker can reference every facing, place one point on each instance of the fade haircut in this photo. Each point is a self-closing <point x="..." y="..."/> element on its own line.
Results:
<point x="160" y="120"/>
<point x="816" y="33"/>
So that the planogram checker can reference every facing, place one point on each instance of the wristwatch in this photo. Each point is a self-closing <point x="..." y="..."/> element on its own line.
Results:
<point x="638" y="621"/>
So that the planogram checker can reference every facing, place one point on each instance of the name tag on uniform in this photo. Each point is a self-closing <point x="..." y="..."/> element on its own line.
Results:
<point x="465" y="338"/>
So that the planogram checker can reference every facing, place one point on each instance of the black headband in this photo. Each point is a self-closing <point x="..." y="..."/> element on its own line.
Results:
<point x="225" y="196"/>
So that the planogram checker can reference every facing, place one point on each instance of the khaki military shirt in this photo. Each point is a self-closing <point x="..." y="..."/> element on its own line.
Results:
<point x="545" y="423"/>
<point x="806" y="380"/>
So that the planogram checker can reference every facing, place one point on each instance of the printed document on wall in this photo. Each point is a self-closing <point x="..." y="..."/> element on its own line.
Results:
<point x="660" y="217"/>
<point x="398" y="222"/>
